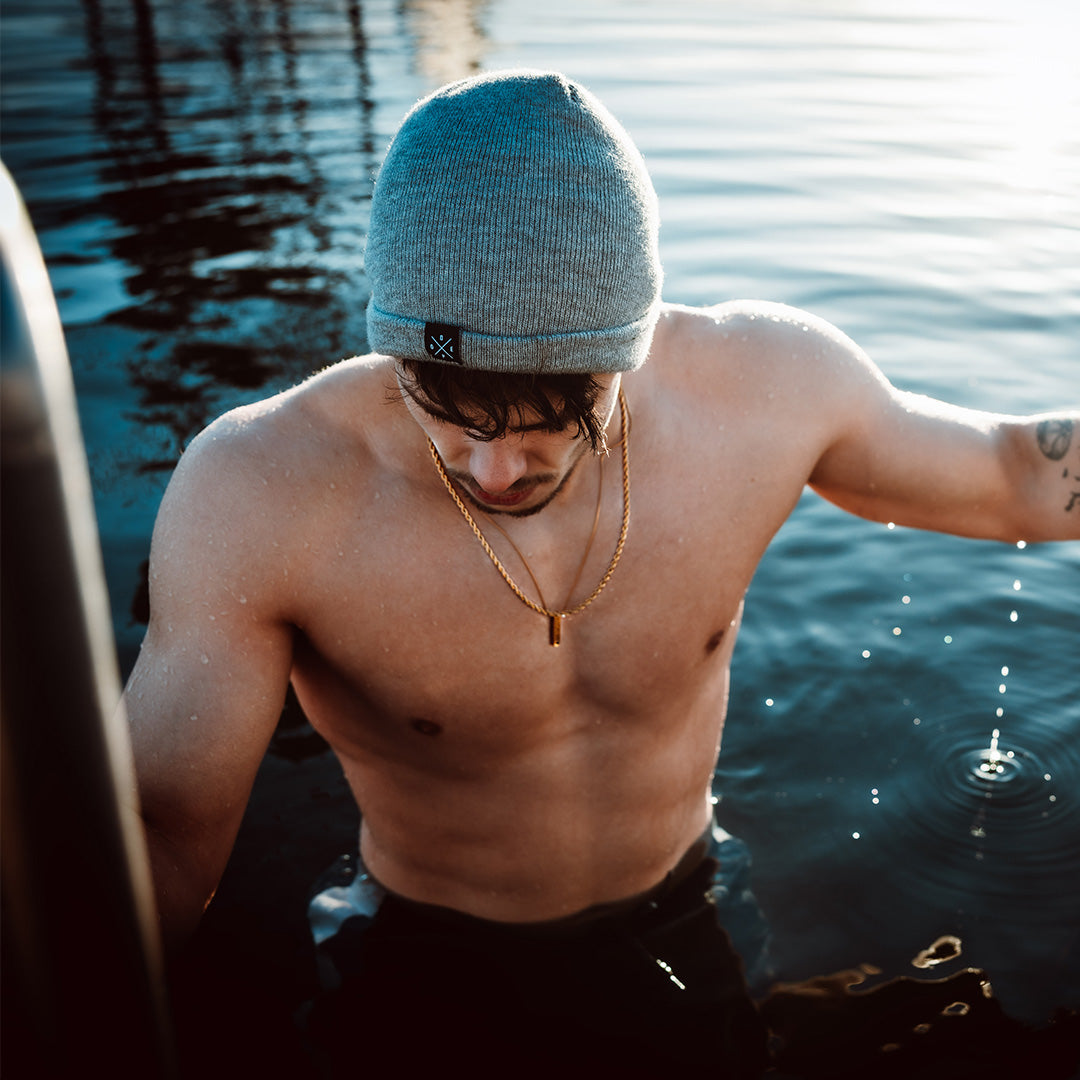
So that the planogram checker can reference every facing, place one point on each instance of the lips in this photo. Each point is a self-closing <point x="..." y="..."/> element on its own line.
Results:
<point x="506" y="498"/>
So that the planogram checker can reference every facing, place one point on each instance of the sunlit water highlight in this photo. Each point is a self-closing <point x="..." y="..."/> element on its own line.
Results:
<point x="200" y="173"/>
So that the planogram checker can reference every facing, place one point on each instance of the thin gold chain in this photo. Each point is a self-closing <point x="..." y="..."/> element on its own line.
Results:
<point x="585" y="553"/>
<point x="540" y="609"/>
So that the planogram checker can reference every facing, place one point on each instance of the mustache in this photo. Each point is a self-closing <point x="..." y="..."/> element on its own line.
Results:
<point x="523" y="483"/>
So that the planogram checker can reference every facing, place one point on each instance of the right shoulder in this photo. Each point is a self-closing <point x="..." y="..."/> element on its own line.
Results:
<point x="282" y="438"/>
<point x="250" y="481"/>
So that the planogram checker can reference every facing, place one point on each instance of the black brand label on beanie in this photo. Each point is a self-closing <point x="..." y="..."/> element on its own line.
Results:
<point x="443" y="342"/>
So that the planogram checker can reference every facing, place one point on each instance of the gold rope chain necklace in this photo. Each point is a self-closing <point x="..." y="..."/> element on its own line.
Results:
<point x="555" y="618"/>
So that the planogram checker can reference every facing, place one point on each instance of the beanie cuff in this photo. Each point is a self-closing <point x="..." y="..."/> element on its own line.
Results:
<point x="592" y="352"/>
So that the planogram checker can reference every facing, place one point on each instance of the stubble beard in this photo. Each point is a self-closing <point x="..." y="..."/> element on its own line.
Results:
<point x="511" y="511"/>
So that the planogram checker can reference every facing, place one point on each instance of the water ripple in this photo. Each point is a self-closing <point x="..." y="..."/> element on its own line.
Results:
<point x="989" y="813"/>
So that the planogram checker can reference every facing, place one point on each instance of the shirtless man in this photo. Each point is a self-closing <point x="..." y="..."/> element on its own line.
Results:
<point x="519" y="755"/>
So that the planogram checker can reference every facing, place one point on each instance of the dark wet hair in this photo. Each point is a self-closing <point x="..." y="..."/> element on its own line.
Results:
<point x="491" y="403"/>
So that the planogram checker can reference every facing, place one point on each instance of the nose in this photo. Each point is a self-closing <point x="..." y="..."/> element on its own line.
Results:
<point x="495" y="465"/>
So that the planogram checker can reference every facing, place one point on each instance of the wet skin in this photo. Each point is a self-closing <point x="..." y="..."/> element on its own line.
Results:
<point x="309" y="538"/>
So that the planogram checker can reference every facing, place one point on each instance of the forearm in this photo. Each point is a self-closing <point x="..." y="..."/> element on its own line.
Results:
<point x="184" y="884"/>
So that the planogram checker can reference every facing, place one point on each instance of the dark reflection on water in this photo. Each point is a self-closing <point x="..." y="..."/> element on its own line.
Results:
<point x="199" y="174"/>
<point x="212" y="150"/>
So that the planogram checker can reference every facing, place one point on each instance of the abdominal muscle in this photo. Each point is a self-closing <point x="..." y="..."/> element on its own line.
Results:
<point x="598" y="812"/>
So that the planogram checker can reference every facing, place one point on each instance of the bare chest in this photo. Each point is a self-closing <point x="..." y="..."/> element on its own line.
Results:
<point x="406" y="624"/>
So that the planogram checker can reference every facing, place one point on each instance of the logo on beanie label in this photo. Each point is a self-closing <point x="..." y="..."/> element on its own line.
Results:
<point x="443" y="342"/>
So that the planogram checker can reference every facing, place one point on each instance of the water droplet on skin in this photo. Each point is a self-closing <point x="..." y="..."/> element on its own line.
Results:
<point x="204" y="658"/>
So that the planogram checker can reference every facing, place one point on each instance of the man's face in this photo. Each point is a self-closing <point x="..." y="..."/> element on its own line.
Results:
<point x="523" y="471"/>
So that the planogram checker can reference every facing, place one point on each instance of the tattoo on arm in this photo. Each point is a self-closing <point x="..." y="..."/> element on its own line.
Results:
<point x="1055" y="437"/>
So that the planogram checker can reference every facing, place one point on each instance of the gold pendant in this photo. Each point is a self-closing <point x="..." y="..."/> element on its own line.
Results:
<point x="556" y="629"/>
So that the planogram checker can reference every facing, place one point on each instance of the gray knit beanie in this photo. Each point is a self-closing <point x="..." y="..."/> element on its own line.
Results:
<point x="514" y="228"/>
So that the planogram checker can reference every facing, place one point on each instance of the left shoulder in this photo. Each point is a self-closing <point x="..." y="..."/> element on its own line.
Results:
<point x="771" y="330"/>
<point x="764" y="348"/>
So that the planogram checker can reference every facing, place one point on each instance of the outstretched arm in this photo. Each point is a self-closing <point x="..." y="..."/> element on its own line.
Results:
<point x="901" y="457"/>
<point x="206" y="693"/>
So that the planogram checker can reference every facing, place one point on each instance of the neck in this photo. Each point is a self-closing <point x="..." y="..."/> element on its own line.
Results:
<point x="556" y="615"/>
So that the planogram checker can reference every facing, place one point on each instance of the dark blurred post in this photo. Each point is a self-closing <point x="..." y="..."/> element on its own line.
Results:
<point x="82" y="993"/>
